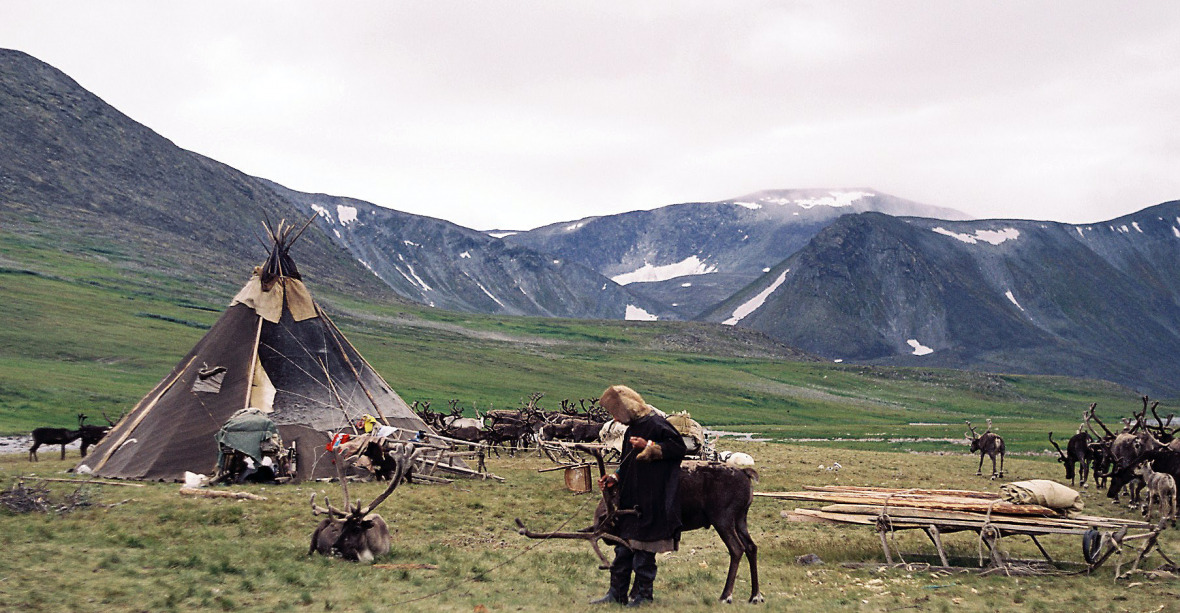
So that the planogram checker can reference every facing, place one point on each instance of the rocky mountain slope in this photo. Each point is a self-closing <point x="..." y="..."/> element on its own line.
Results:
<point x="438" y="263"/>
<point x="1098" y="300"/>
<point x="78" y="169"/>
<point x="690" y="256"/>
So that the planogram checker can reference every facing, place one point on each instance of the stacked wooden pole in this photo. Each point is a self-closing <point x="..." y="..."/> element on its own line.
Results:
<point x="941" y="511"/>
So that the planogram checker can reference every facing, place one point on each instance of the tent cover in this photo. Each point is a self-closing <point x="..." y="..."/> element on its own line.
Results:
<point x="274" y="349"/>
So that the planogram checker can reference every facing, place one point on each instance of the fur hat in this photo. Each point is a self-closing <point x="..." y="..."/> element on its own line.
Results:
<point x="624" y="404"/>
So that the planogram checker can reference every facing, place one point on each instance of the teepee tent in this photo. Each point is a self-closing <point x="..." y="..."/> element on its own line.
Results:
<point x="273" y="349"/>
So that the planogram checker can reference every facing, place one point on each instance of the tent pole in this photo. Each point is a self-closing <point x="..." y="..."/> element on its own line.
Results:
<point x="253" y="363"/>
<point x="348" y="361"/>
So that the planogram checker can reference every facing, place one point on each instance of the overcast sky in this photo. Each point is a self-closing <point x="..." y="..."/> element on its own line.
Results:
<point x="511" y="115"/>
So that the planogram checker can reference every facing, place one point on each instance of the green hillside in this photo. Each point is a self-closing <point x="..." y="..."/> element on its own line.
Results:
<point x="88" y="330"/>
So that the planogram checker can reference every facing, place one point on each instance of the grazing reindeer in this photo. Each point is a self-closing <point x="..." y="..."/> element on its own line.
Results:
<point x="1078" y="454"/>
<point x="1161" y="490"/>
<point x="987" y="444"/>
<point x="55" y="436"/>
<point x="91" y="435"/>
<point x="710" y="494"/>
<point x="357" y="533"/>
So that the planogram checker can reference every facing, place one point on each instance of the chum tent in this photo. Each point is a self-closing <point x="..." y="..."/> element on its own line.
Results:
<point x="273" y="349"/>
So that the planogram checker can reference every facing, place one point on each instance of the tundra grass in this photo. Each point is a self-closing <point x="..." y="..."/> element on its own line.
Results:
<point x="86" y="330"/>
<point x="151" y="549"/>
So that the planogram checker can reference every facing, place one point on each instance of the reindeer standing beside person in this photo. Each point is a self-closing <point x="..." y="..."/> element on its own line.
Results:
<point x="987" y="444"/>
<point x="709" y="494"/>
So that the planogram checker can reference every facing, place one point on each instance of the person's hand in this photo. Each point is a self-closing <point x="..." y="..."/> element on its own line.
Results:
<point x="606" y="481"/>
<point x="638" y="443"/>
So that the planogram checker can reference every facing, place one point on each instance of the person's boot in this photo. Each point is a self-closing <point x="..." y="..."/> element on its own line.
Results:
<point x="640" y="596"/>
<point x="620" y="578"/>
<point x="611" y="597"/>
<point x="645" y="578"/>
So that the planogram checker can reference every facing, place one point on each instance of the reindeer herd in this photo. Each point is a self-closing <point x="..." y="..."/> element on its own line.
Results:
<point x="523" y="428"/>
<point x="1145" y="454"/>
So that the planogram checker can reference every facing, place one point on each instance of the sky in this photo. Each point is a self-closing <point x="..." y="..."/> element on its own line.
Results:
<point x="512" y="115"/>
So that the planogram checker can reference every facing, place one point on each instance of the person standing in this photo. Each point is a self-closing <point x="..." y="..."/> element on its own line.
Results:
<point x="648" y="479"/>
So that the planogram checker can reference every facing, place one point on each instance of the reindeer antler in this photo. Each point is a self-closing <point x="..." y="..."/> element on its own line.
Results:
<point x="330" y="511"/>
<point x="403" y="459"/>
<point x="1059" y="452"/>
<point x="971" y="434"/>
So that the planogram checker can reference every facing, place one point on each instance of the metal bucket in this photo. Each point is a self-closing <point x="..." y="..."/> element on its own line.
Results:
<point x="577" y="479"/>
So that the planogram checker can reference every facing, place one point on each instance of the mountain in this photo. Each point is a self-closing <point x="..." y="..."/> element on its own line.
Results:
<point x="690" y="256"/>
<point x="78" y="170"/>
<point x="438" y="263"/>
<point x="78" y="173"/>
<point x="1095" y="300"/>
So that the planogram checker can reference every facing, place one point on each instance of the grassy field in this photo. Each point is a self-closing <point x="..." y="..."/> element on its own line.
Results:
<point x="151" y="549"/>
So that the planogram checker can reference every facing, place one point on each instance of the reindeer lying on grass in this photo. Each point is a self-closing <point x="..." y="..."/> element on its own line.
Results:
<point x="357" y="533"/>
<point x="711" y="494"/>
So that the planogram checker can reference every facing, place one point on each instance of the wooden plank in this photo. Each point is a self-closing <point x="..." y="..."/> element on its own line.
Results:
<point x="912" y="524"/>
<point x="894" y="490"/>
<point x="948" y="503"/>
<point x="917" y="513"/>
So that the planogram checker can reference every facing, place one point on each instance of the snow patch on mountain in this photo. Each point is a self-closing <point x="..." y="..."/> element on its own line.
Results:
<point x="502" y="234"/>
<point x="322" y="212"/>
<point x="635" y="313"/>
<point x="346" y="214"/>
<point x="756" y="302"/>
<point x="919" y="348"/>
<point x="466" y="255"/>
<point x="1013" y="299"/>
<point x="753" y="206"/>
<point x="692" y="265"/>
<point x="995" y="237"/>
<point x="485" y="290"/>
<point x="1176" y="231"/>
<point x="1135" y="224"/>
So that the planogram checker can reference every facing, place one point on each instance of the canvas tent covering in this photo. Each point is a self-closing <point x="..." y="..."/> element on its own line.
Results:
<point x="275" y="349"/>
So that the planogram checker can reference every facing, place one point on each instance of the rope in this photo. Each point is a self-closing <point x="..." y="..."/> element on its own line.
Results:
<point x="885" y="523"/>
<point x="988" y="528"/>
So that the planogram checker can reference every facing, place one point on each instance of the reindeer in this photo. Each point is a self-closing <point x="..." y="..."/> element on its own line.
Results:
<point x="55" y="436"/>
<point x="357" y="533"/>
<point x="1079" y="454"/>
<point x="1161" y="490"/>
<point x="987" y="444"/>
<point x="91" y="435"/>
<point x="710" y="494"/>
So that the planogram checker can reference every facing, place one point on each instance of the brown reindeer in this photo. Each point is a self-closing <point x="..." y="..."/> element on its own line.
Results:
<point x="987" y="444"/>
<point x="1078" y="455"/>
<point x="55" y="436"/>
<point x="711" y="494"/>
<point x="357" y="533"/>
